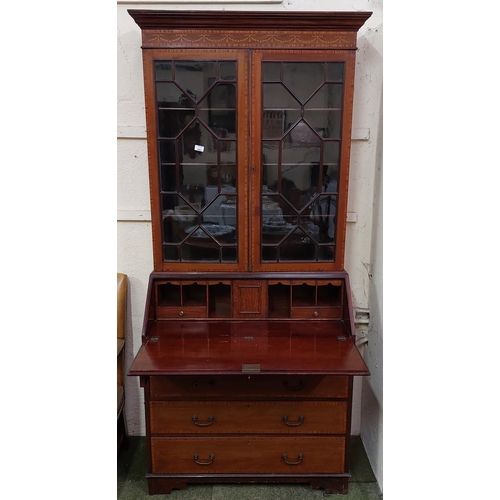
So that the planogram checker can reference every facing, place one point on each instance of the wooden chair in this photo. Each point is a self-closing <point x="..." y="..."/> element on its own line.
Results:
<point x="121" y="321"/>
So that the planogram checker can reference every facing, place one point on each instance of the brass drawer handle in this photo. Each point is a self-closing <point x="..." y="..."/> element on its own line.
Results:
<point x="297" y="387"/>
<point x="200" y="424"/>
<point x="284" y="457"/>
<point x="181" y="313"/>
<point x="208" y="462"/>
<point x="196" y="383"/>
<point x="293" y="424"/>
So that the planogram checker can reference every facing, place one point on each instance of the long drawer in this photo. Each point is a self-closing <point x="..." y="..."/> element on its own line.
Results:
<point x="243" y="387"/>
<point x="249" y="455"/>
<point x="208" y="417"/>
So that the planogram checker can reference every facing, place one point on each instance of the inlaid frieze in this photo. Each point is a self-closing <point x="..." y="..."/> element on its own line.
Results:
<point x="238" y="39"/>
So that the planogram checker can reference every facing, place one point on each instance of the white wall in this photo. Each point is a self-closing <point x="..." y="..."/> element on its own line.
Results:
<point x="372" y="393"/>
<point x="134" y="236"/>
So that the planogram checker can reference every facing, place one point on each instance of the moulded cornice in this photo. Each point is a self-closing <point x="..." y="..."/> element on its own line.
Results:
<point x="250" y="20"/>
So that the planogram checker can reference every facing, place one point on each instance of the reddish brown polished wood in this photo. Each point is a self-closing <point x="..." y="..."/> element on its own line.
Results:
<point x="247" y="363"/>
<point x="228" y="382"/>
<point x="248" y="386"/>
<point x="250" y="455"/>
<point x="248" y="417"/>
<point x="277" y="347"/>
<point x="300" y="21"/>
<point x="250" y="38"/>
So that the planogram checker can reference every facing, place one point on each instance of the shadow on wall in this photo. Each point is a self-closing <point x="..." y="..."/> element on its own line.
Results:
<point x="372" y="430"/>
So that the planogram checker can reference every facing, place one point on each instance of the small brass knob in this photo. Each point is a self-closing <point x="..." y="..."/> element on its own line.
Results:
<point x="315" y="314"/>
<point x="181" y="313"/>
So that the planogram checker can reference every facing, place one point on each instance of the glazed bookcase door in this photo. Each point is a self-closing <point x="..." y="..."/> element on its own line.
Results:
<point x="301" y="115"/>
<point x="197" y="124"/>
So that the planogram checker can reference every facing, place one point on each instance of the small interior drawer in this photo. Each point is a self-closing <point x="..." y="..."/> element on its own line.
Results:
<point x="181" y="312"/>
<point x="316" y="313"/>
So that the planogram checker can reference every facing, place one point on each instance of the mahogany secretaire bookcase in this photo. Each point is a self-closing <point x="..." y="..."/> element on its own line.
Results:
<point x="248" y="350"/>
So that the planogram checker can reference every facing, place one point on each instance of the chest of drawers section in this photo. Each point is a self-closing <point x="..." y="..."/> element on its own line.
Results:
<point x="261" y="427"/>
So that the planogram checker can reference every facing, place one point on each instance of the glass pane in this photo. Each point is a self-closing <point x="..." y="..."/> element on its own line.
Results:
<point x="167" y="151"/>
<point x="220" y="206"/>
<point x="269" y="254"/>
<point x="176" y="221"/>
<point x="218" y="110"/>
<point x="298" y="246"/>
<point x="212" y="211"/>
<point x="227" y="70"/>
<point x="271" y="71"/>
<point x="222" y="123"/>
<point x="325" y="122"/>
<point x="173" y="121"/>
<point x="169" y="95"/>
<point x="303" y="78"/>
<point x="327" y="97"/>
<point x="270" y="152"/>
<point x="330" y="178"/>
<point x="275" y="228"/>
<point x="229" y="211"/>
<point x="273" y="124"/>
<point x="163" y="70"/>
<point x="292" y="117"/>
<point x="296" y="184"/>
<point x="198" y="159"/>
<point x="196" y="249"/>
<point x="229" y="254"/>
<point x="300" y="150"/>
<point x="221" y="232"/>
<point x="175" y="109"/>
<point x="272" y="214"/>
<point x="331" y="151"/>
<point x="193" y="193"/>
<point x="270" y="179"/>
<point x="303" y="133"/>
<point x="171" y="253"/>
<point x="223" y="174"/>
<point x="323" y="214"/>
<point x="207" y="233"/>
<point x="302" y="106"/>
<point x="171" y="231"/>
<point x="179" y="213"/>
<point x="194" y="178"/>
<point x="220" y="96"/>
<point x="311" y="229"/>
<point x="276" y="96"/>
<point x="168" y="178"/>
<point x="196" y="144"/>
<point x="335" y="72"/>
<point x="326" y="253"/>
<point x="194" y="76"/>
<point x="227" y="150"/>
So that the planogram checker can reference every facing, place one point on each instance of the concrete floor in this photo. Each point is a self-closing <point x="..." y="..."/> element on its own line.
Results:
<point x="132" y="484"/>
